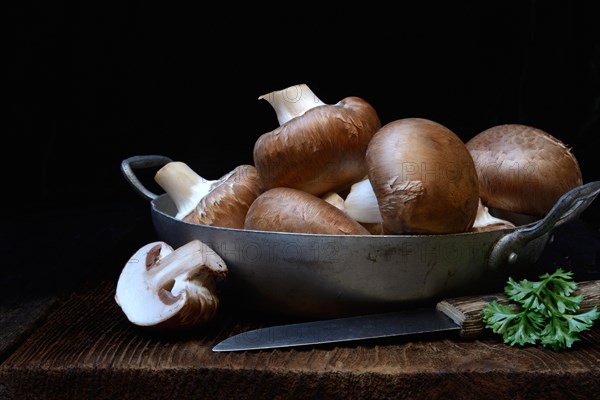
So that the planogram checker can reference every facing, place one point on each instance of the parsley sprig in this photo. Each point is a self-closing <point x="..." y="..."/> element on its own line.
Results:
<point x="545" y="312"/>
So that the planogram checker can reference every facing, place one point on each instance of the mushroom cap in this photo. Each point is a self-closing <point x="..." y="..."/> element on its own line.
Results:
<point x="423" y="177"/>
<point x="292" y="210"/>
<point x="227" y="203"/>
<point x="522" y="169"/>
<point x="319" y="151"/>
<point x="160" y="287"/>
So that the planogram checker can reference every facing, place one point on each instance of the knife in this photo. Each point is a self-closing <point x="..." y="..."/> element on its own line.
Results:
<point x="459" y="314"/>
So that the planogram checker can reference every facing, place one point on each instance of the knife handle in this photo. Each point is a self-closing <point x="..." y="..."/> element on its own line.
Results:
<point x="465" y="311"/>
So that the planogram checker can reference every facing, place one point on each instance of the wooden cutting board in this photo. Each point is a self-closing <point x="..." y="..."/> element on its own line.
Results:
<point x="86" y="349"/>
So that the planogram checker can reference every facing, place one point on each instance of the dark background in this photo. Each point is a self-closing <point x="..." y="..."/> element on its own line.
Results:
<point x="91" y="84"/>
<point x="95" y="83"/>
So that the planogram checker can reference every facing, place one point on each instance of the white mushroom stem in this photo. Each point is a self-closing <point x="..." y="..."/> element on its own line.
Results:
<point x="184" y="186"/>
<point x="164" y="271"/>
<point x="335" y="199"/>
<point x="485" y="220"/>
<point x="361" y="203"/>
<point x="292" y="102"/>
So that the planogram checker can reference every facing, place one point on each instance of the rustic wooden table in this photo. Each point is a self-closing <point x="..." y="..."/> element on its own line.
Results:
<point x="73" y="342"/>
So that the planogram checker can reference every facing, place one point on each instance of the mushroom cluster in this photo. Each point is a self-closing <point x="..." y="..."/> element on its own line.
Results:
<point x="334" y="169"/>
<point x="318" y="149"/>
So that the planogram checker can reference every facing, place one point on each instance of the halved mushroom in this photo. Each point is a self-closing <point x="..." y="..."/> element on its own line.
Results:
<point x="292" y="210"/>
<point x="164" y="288"/>
<point x="522" y="169"/>
<point x="317" y="147"/>
<point x="223" y="202"/>
<point x="423" y="177"/>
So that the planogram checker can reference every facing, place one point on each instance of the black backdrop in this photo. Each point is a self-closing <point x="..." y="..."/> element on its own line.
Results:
<point x="94" y="83"/>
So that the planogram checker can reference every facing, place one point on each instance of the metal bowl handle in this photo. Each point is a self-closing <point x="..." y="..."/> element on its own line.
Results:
<point x="146" y="161"/>
<point x="568" y="207"/>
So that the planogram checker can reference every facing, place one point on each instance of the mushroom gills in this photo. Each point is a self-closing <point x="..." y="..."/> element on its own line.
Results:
<point x="172" y="288"/>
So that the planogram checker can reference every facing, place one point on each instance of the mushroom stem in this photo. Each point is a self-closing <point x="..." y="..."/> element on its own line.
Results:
<point x="292" y="102"/>
<point x="182" y="261"/>
<point x="361" y="203"/>
<point x="486" y="221"/>
<point x="184" y="186"/>
<point x="335" y="200"/>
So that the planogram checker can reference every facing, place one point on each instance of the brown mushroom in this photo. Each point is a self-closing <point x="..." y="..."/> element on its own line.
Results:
<point x="423" y="177"/>
<point x="522" y="169"/>
<point x="160" y="287"/>
<point x="317" y="147"/>
<point x="223" y="202"/>
<point x="292" y="210"/>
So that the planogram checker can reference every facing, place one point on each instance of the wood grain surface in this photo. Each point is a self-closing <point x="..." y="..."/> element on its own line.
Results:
<point x="87" y="349"/>
<point x="19" y="317"/>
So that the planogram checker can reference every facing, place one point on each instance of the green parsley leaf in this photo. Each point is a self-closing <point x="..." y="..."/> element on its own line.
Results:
<point x="541" y="312"/>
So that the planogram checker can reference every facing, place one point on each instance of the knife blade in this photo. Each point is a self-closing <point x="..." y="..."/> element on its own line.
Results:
<point x="459" y="314"/>
<point x="370" y="326"/>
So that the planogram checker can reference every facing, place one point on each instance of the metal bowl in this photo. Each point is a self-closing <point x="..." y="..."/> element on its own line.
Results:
<point x="317" y="276"/>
